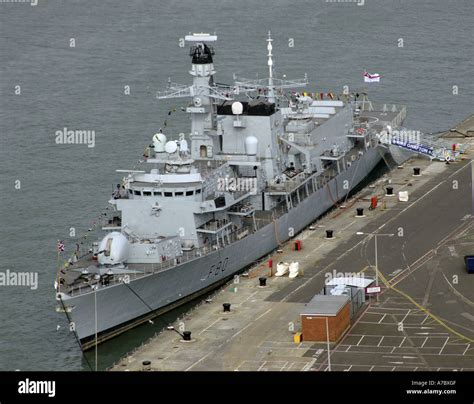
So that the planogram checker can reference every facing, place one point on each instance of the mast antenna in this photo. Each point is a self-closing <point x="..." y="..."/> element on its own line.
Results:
<point x="271" y="94"/>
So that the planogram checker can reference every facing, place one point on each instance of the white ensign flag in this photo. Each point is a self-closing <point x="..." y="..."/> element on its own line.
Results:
<point x="371" y="78"/>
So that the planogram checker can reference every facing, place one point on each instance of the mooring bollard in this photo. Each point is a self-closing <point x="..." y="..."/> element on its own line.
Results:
<point x="416" y="172"/>
<point x="329" y="233"/>
<point x="389" y="191"/>
<point x="226" y="307"/>
<point x="186" y="335"/>
<point x="360" y="212"/>
<point x="146" y="366"/>
<point x="263" y="281"/>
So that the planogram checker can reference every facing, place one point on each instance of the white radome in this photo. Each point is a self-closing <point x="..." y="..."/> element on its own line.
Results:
<point x="113" y="249"/>
<point x="251" y="145"/>
<point x="159" y="141"/>
<point x="237" y="108"/>
<point x="171" y="147"/>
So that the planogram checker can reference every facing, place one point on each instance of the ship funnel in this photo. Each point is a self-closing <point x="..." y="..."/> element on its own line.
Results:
<point x="251" y="145"/>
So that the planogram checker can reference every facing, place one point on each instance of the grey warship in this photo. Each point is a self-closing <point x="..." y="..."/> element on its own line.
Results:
<point x="261" y="162"/>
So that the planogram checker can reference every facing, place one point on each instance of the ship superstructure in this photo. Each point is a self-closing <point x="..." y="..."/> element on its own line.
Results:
<point x="260" y="163"/>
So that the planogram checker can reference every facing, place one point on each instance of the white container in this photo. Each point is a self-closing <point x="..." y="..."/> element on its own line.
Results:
<point x="294" y="270"/>
<point x="282" y="268"/>
<point x="403" y="196"/>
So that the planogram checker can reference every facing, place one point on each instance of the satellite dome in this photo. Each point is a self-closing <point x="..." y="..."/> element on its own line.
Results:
<point x="171" y="147"/>
<point x="237" y="108"/>
<point x="159" y="141"/>
<point x="251" y="145"/>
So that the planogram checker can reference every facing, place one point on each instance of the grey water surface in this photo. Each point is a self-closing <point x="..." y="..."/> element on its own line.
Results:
<point x="135" y="43"/>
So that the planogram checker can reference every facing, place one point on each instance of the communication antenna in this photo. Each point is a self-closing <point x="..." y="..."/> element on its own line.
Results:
<point x="183" y="145"/>
<point x="271" y="94"/>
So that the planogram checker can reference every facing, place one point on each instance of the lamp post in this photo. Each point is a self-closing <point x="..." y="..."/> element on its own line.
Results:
<point x="329" y="348"/>
<point x="375" y="235"/>
<point x="95" y="312"/>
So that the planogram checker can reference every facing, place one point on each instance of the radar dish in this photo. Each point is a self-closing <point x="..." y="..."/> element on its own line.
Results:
<point x="159" y="138"/>
<point x="171" y="147"/>
<point x="183" y="145"/>
<point x="237" y="108"/>
<point x="159" y="141"/>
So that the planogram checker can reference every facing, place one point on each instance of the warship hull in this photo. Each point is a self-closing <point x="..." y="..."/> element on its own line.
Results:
<point x="121" y="307"/>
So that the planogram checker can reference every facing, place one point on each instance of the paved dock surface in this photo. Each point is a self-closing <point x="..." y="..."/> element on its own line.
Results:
<point x="463" y="129"/>
<point x="423" y="320"/>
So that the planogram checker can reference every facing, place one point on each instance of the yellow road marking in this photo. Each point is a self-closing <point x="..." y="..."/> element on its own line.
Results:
<point x="426" y="311"/>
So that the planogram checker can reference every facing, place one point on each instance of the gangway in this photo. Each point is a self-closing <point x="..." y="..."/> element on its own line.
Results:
<point x="416" y="142"/>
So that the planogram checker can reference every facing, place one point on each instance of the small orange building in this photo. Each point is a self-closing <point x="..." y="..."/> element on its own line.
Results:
<point x="336" y="309"/>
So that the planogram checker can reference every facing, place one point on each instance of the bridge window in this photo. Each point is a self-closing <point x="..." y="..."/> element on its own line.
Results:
<point x="137" y="192"/>
<point x="146" y="193"/>
<point x="189" y="193"/>
<point x="157" y="193"/>
<point x="168" y="194"/>
<point x="198" y="191"/>
<point x="178" y="194"/>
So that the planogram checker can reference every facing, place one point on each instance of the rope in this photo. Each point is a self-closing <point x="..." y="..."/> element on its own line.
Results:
<point x="330" y="195"/>
<point x="151" y="310"/>
<point x="75" y="333"/>
<point x="276" y="233"/>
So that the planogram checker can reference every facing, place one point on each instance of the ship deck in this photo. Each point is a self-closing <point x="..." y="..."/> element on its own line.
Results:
<point x="76" y="282"/>
<point x="382" y="115"/>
